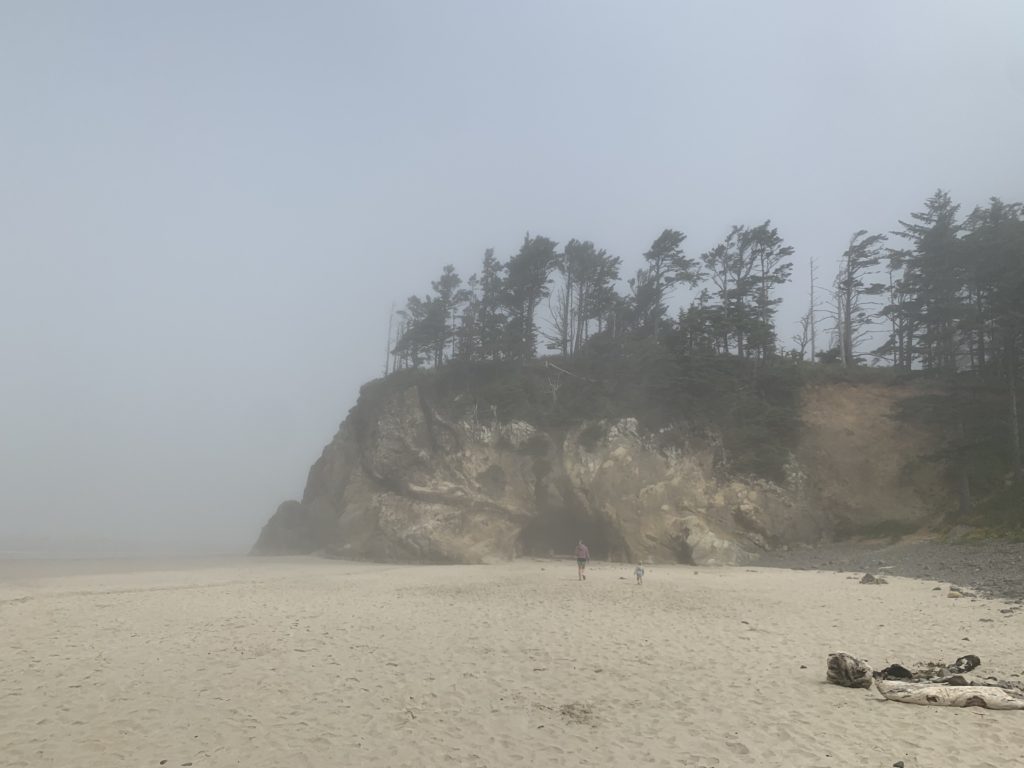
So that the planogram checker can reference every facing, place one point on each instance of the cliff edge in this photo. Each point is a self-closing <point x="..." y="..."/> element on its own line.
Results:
<point x="417" y="476"/>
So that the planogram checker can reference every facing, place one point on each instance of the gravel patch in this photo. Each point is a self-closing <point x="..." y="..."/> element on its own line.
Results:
<point x="991" y="568"/>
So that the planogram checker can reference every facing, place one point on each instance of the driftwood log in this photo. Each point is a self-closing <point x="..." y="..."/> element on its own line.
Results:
<point x="847" y="671"/>
<point x="937" y="694"/>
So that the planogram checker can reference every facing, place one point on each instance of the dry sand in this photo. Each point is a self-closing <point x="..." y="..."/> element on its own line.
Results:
<point x="301" y="662"/>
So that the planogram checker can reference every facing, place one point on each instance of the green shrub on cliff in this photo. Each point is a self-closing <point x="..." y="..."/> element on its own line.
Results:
<point x="748" y="407"/>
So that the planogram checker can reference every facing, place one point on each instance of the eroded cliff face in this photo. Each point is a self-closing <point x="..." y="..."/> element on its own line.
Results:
<point x="400" y="482"/>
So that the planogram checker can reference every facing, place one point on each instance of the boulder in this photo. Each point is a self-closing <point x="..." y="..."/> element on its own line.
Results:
<point x="710" y="547"/>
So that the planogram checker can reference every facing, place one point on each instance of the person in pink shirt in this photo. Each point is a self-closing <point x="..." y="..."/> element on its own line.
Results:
<point x="582" y="558"/>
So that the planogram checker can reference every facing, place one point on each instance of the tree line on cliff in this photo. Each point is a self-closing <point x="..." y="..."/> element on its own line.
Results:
<point x="939" y="298"/>
<point x="497" y="314"/>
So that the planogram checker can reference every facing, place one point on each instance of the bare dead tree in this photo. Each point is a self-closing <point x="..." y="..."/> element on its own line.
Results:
<point x="806" y="336"/>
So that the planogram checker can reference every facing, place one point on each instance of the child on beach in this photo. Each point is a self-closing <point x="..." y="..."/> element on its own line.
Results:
<point x="639" y="573"/>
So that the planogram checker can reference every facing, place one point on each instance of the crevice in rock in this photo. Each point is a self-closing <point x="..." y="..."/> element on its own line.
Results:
<point x="444" y="437"/>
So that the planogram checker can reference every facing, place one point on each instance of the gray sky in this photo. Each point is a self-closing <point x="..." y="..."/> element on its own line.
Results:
<point x="206" y="209"/>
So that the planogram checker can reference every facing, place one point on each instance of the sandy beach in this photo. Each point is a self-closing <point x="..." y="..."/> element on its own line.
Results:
<point x="305" y="662"/>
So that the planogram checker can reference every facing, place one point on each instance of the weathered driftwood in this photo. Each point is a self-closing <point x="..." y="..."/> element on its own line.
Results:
<point x="869" y="578"/>
<point x="934" y="672"/>
<point x="845" y="670"/>
<point x="985" y="696"/>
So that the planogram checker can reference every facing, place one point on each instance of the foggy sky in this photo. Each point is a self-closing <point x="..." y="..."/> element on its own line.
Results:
<point x="206" y="209"/>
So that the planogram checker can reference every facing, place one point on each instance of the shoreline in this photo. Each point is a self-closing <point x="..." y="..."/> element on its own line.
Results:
<point x="992" y="568"/>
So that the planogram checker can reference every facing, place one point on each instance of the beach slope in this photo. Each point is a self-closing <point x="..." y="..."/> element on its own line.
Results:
<point x="304" y="662"/>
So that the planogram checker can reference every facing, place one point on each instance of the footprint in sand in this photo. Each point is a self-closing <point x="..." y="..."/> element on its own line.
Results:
<point x="698" y="761"/>
<point x="737" y="748"/>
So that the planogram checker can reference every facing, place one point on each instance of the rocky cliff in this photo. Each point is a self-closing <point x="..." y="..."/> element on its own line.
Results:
<point x="405" y="480"/>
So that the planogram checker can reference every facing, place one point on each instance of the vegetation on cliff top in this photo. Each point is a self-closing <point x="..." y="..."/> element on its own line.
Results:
<point x="947" y="307"/>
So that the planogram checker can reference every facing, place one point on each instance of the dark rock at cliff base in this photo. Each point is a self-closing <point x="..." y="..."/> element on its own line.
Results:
<point x="991" y="568"/>
<point x="286" y="533"/>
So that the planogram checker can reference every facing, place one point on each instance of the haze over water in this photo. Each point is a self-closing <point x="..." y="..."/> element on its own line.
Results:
<point x="206" y="211"/>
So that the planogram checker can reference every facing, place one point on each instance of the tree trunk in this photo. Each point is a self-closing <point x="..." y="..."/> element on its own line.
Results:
<point x="896" y="335"/>
<point x="841" y="339"/>
<point x="764" y="303"/>
<point x="845" y="309"/>
<point x="813" y="326"/>
<point x="567" y="314"/>
<point x="582" y="308"/>
<point x="981" y="331"/>
<point x="725" y="309"/>
<point x="387" y="358"/>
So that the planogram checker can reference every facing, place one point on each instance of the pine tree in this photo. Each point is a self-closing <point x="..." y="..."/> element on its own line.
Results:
<point x="423" y="324"/>
<point x="745" y="270"/>
<point x="449" y="298"/>
<point x="994" y="250"/>
<point x="528" y="275"/>
<point x="934" y="274"/>
<point x="488" y="309"/>
<point x="851" y="310"/>
<point x="588" y="281"/>
<point x="667" y="267"/>
<point x="771" y="270"/>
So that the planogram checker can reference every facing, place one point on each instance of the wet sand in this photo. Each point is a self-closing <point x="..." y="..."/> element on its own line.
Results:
<point x="305" y="662"/>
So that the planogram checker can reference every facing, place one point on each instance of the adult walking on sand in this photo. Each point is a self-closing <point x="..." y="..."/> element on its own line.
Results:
<point x="582" y="558"/>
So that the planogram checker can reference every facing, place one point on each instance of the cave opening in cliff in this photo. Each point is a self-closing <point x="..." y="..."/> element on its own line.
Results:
<point x="684" y="552"/>
<point x="555" y="532"/>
